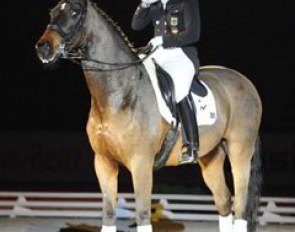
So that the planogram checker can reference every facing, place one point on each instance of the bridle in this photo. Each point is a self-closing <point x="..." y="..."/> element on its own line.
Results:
<point x="76" y="54"/>
<point x="65" y="48"/>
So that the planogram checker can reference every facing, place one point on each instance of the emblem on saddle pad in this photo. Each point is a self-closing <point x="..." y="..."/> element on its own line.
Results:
<point x="206" y="107"/>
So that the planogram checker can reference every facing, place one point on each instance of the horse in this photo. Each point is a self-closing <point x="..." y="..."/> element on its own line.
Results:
<point x="125" y="126"/>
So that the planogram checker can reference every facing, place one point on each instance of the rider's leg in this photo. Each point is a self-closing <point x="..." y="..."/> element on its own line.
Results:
<point x="181" y="69"/>
<point x="186" y="112"/>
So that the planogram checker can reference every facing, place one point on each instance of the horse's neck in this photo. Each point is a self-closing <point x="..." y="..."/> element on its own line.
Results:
<point x="113" y="90"/>
<point x="105" y="43"/>
<point x="126" y="92"/>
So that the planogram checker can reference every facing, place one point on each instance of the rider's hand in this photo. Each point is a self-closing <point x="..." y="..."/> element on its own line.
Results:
<point x="156" y="41"/>
<point x="147" y="3"/>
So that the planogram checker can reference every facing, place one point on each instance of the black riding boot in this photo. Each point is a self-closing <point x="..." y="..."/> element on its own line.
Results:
<point x="186" y="113"/>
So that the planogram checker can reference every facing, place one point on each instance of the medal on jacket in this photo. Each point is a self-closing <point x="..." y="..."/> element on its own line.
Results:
<point x="174" y="24"/>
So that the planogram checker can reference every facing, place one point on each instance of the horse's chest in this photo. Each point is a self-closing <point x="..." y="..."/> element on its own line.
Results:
<point x="108" y="138"/>
<point x="99" y="135"/>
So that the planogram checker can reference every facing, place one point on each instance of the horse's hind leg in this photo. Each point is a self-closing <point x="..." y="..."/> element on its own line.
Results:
<point x="240" y="155"/>
<point x="107" y="174"/>
<point x="142" y="175"/>
<point x="213" y="173"/>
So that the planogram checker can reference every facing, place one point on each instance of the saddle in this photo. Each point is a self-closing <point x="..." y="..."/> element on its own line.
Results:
<point x="165" y="94"/>
<point x="167" y="88"/>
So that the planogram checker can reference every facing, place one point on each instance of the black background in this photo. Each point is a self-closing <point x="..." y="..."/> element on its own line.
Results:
<point x="254" y="37"/>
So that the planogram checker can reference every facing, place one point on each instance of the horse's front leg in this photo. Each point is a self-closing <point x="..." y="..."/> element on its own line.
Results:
<point x="107" y="173"/>
<point x="142" y="176"/>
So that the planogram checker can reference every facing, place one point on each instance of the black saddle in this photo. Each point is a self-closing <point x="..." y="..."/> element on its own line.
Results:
<point x="198" y="88"/>
<point x="167" y="88"/>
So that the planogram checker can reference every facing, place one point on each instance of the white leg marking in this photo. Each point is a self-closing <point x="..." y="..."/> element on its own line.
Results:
<point x="240" y="225"/>
<point x="226" y="223"/>
<point x="147" y="228"/>
<point x="108" y="229"/>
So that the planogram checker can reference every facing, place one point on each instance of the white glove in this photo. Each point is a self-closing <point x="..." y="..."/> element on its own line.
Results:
<point x="147" y="3"/>
<point x="156" y="41"/>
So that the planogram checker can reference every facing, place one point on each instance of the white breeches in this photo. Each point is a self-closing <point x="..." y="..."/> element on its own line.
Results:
<point x="181" y="69"/>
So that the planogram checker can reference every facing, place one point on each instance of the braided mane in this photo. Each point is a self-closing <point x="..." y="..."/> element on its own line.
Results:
<point x="115" y="26"/>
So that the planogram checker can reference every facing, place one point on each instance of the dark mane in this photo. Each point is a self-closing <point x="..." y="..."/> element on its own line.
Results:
<point x="115" y="26"/>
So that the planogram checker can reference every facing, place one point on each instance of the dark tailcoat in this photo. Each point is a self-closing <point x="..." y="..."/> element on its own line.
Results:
<point x="178" y="24"/>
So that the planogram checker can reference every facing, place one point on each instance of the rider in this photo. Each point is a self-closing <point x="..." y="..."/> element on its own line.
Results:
<point x="176" y="32"/>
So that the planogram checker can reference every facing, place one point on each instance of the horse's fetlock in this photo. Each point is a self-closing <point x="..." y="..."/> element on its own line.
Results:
<point x="144" y="217"/>
<point x="109" y="218"/>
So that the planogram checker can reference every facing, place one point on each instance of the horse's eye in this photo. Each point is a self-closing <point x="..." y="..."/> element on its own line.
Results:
<point x="74" y="13"/>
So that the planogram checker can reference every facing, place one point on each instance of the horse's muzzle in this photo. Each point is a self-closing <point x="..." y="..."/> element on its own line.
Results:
<point x="44" y="51"/>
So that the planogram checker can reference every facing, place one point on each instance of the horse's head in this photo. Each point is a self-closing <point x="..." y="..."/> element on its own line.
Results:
<point x="64" y="32"/>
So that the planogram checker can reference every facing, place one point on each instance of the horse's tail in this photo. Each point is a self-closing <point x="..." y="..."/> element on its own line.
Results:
<point x="254" y="189"/>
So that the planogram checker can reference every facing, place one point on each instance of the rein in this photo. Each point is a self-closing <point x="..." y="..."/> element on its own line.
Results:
<point x="77" y="56"/>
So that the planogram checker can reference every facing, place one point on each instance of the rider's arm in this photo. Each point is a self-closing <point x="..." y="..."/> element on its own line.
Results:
<point x="141" y="18"/>
<point x="191" y="32"/>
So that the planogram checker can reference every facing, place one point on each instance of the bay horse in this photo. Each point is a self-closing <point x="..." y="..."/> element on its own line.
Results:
<point x="125" y="126"/>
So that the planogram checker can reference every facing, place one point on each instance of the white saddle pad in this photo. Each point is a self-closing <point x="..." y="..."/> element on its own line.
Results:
<point x="206" y="108"/>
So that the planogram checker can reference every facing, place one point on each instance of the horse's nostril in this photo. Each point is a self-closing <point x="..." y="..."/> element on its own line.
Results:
<point x="43" y="47"/>
<point x="39" y="45"/>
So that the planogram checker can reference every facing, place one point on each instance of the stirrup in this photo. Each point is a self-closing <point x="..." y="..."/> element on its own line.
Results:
<point x="189" y="155"/>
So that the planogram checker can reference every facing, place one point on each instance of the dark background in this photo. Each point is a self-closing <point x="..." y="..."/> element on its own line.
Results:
<point x="39" y="106"/>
